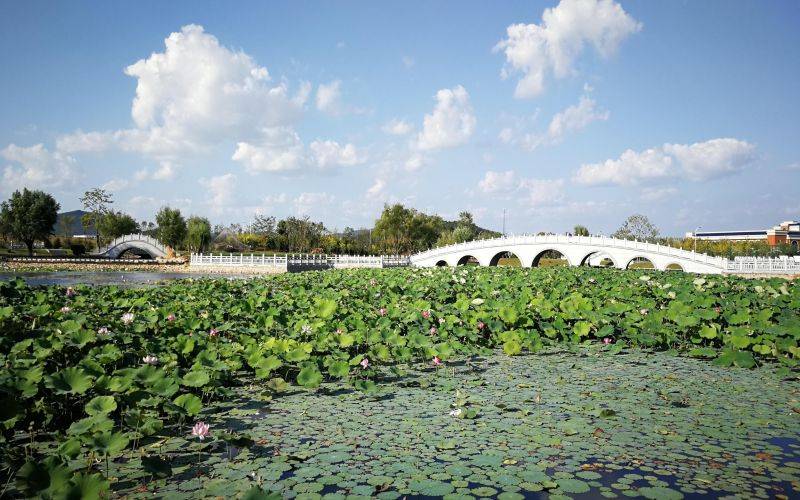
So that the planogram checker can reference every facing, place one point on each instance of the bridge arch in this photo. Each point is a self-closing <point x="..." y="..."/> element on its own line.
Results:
<point x="441" y="263"/>
<point x="134" y="243"/>
<point x="673" y="266"/>
<point x="549" y="251"/>
<point x="468" y="259"/>
<point x="598" y="254"/>
<point x="505" y="254"/>
<point x="640" y="258"/>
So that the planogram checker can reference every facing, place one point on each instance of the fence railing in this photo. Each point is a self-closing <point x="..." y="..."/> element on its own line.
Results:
<point x="764" y="265"/>
<point x="298" y="260"/>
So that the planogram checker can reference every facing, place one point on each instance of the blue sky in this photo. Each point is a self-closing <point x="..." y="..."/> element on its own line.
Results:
<point x="578" y="112"/>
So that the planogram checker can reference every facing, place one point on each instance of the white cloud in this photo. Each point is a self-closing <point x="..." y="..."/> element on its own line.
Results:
<point x="575" y="118"/>
<point x="36" y="167"/>
<point x="220" y="191"/>
<point x="280" y="150"/>
<point x="699" y="161"/>
<point x="312" y="203"/>
<point x="572" y="119"/>
<point x="193" y="95"/>
<point x="330" y="154"/>
<point x="377" y="189"/>
<point x="451" y="123"/>
<point x="537" y="50"/>
<point x="543" y="192"/>
<point x="116" y="185"/>
<point x="329" y="97"/>
<point x="533" y="193"/>
<point x="397" y="127"/>
<point x="657" y="194"/>
<point x="793" y="166"/>
<point x="409" y="62"/>
<point x="498" y="182"/>
<point x="415" y="162"/>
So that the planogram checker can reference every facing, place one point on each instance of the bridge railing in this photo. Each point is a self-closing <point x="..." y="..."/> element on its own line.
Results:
<point x="298" y="260"/>
<point x="763" y="265"/>
<point x="598" y="241"/>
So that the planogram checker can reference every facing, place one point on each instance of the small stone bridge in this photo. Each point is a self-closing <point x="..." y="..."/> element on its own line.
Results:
<point x="577" y="250"/>
<point x="138" y="244"/>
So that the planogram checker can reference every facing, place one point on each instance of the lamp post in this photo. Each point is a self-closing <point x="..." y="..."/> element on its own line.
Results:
<point x="695" y="237"/>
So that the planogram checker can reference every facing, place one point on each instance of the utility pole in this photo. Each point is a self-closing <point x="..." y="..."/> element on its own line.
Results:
<point x="695" y="237"/>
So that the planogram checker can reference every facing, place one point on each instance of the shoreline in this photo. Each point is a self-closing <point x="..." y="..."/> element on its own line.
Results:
<point x="158" y="267"/>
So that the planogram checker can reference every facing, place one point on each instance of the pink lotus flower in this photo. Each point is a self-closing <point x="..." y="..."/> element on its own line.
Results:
<point x="441" y="321"/>
<point x="171" y="317"/>
<point x="382" y="311"/>
<point x="373" y="282"/>
<point x="643" y="312"/>
<point x="339" y="331"/>
<point x="718" y="309"/>
<point x="70" y="292"/>
<point x="103" y="330"/>
<point x="213" y="332"/>
<point x="201" y="430"/>
<point x="481" y="325"/>
<point x="65" y="309"/>
<point x="436" y="361"/>
<point x="607" y="340"/>
<point x="127" y="318"/>
<point x="426" y="314"/>
<point x="364" y="363"/>
<point x="150" y="360"/>
<point x="433" y="330"/>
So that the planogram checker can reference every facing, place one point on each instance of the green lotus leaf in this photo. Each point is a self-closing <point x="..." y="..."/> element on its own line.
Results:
<point x="324" y="308"/>
<point x="190" y="403"/>
<point x="309" y="377"/>
<point x="109" y="443"/>
<point x="101" y="405"/>
<point x="70" y="381"/>
<point x="157" y="467"/>
<point x="196" y="378"/>
<point x="339" y="369"/>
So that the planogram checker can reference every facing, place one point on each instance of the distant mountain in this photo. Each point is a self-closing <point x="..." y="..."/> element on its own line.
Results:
<point x="74" y="227"/>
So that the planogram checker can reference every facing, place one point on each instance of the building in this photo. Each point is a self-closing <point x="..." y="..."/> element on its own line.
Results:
<point x="787" y="232"/>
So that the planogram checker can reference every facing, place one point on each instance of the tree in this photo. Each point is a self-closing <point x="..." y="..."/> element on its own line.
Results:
<point x="65" y="223"/>
<point x="263" y="225"/>
<point x="115" y="224"/>
<point x="299" y="234"/>
<point x="198" y="233"/>
<point x="580" y="230"/>
<point x="393" y="228"/>
<point x="171" y="226"/>
<point x="29" y="216"/>
<point x="637" y="227"/>
<point x="96" y="201"/>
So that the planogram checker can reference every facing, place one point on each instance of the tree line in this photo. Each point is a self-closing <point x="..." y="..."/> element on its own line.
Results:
<point x="30" y="216"/>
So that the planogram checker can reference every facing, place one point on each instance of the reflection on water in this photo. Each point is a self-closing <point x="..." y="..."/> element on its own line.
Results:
<point x="125" y="279"/>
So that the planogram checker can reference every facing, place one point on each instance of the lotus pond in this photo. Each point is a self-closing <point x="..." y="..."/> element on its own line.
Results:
<point x="473" y="382"/>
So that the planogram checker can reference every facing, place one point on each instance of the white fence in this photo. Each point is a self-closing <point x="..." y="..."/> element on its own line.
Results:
<point x="298" y="260"/>
<point x="764" y="265"/>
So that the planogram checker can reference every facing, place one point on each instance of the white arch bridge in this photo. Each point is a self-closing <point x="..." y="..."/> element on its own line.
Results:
<point x="577" y="250"/>
<point x="139" y="244"/>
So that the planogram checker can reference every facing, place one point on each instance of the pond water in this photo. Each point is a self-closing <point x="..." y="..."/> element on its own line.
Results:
<point x="553" y="425"/>
<point x="130" y="279"/>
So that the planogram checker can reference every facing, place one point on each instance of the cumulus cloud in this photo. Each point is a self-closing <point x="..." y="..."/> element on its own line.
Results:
<point x="538" y="50"/>
<point x="311" y="203"/>
<point x="534" y="193"/>
<point x="451" y="123"/>
<point x="498" y="182"/>
<point x="397" y="127"/>
<point x="36" y="166"/>
<point x="377" y="189"/>
<point x="329" y="97"/>
<point x="326" y="154"/>
<point x="697" y="162"/>
<point x="281" y="150"/>
<point x="657" y="194"/>
<point x="220" y="190"/>
<point x="568" y="121"/>
<point x="193" y="95"/>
